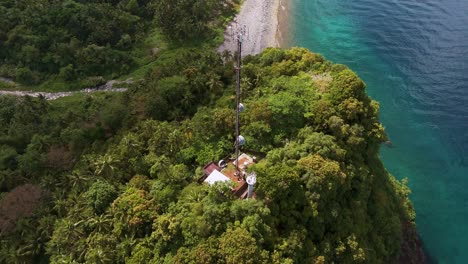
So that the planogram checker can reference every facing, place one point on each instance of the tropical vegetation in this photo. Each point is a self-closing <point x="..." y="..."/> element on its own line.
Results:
<point x="112" y="177"/>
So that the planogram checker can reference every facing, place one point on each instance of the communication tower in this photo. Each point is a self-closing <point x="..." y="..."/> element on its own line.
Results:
<point x="240" y="34"/>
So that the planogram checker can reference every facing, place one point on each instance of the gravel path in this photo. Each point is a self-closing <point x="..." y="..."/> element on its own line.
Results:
<point x="107" y="87"/>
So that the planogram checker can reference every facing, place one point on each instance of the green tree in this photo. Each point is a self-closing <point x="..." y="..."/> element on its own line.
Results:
<point x="100" y="195"/>
<point x="26" y="76"/>
<point x="182" y="19"/>
<point x="113" y="115"/>
<point x="105" y="166"/>
<point x="7" y="157"/>
<point x="134" y="212"/>
<point x="236" y="245"/>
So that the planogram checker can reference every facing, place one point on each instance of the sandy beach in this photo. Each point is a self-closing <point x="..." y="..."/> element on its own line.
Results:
<point x="260" y="17"/>
<point x="283" y="37"/>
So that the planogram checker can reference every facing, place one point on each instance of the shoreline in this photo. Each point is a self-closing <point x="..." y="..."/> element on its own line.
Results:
<point x="283" y="25"/>
<point x="262" y="21"/>
<point x="279" y="35"/>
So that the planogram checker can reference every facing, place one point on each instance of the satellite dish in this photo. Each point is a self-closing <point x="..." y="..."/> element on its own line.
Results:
<point x="241" y="140"/>
<point x="241" y="107"/>
<point x="222" y="164"/>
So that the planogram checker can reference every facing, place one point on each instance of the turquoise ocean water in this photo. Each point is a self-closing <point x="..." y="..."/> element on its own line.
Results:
<point x="413" y="56"/>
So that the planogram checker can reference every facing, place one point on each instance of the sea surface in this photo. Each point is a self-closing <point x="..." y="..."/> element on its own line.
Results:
<point x="413" y="56"/>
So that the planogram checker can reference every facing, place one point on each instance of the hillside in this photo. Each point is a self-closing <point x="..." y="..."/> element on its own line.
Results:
<point x="69" y="45"/>
<point x="120" y="171"/>
<point x="113" y="177"/>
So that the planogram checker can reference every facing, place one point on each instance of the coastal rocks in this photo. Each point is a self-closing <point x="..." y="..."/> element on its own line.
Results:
<point x="412" y="250"/>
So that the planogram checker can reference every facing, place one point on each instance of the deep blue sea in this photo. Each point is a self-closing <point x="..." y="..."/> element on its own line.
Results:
<point x="413" y="56"/>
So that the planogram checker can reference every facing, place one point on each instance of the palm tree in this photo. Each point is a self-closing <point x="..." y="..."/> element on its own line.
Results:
<point x="98" y="256"/>
<point x="190" y="71"/>
<point x="5" y="252"/>
<point x="100" y="224"/>
<point x="131" y="144"/>
<point x="105" y="166"/>
<point x="173" y="141"/>
<point x="77" y="180"/>
<point x="28" y="250"/>
<point x="227" y="56"/>
<point x="187" y="101"/>
<point x="195" y="197"/>
<point x="77" y="206"/>
<point x="161" y="167"/>
<point x="25" y="247"/>
<point x="125" y="247"/>
<point x="247" y="83"/>
<point x="215" y="84"/>
<point x="60" y="206"/>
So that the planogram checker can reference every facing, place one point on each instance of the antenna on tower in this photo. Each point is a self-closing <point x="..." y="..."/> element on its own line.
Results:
<point x="239" y="32"/>
<point x="240" y="35"/>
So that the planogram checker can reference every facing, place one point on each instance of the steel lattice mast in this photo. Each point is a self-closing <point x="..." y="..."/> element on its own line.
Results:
<point x="239" y="36"/>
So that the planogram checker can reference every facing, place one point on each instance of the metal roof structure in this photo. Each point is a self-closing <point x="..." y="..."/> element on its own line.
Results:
<point x="216" y="176"/>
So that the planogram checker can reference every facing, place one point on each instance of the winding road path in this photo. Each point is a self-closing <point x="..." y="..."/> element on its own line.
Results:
<point x="107" y="87"/>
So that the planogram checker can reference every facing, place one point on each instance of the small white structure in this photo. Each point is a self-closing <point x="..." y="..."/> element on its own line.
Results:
<point x="216" y="176"/>
<point x="244" y="158"/>
<point x="251" y="180"/>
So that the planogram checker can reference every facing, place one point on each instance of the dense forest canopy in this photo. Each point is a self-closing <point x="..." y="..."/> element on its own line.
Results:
<point x="112" y="178"/>
<point x="118" y="172"/>
<point x="92" y="40"/>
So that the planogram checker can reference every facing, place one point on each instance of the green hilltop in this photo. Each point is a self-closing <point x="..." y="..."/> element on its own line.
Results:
<point x="112" y="177"/>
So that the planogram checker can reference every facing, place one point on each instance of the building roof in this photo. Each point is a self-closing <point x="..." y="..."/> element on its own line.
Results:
<point x="214" y="173"/>
<point x="210" y="167"/>
<point x="244" y="159"/>
<point x="216" y="176"/>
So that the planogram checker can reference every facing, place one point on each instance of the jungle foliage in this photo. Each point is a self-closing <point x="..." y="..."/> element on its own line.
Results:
<point x="77" y="43"/>
<point x="118" y="171"/>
